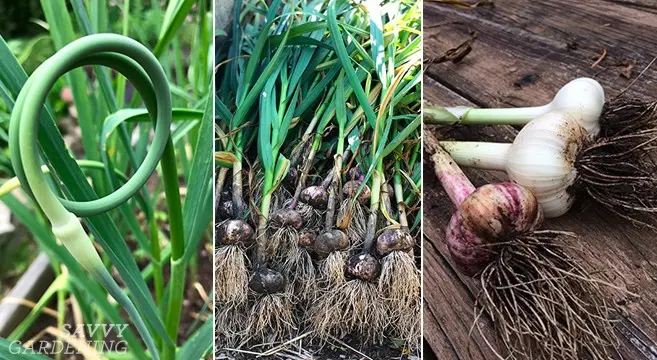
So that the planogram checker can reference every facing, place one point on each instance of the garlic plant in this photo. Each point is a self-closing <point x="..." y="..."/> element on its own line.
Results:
<point x="554" y="158"/>
<point x="583" y="99"/>
<point x="543" y="303"/>
<point x="334" y="121"/>
<point x="109" y="238"/>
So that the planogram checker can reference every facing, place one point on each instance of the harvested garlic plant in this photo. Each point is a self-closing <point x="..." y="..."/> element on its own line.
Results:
<point x="554" y="157"/>
<point x="582" y="99"/>
<point x="528" y="282"/>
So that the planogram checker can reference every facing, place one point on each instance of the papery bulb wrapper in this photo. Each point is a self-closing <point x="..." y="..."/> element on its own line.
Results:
<point x="394" y="240"/>
<point x="364" y="267"/>
<point x="351" y="187"/>
<point x="330" y="241"/>
<point x="307" y="238"/>
<point x="267" y="281"/>
<point x="542" y="159"/>
<point x="234" y="232"/>
<point x="583" y="99"/>
<point x="315" y="196"/>
<point x="225" y="209"/>
<point x="287" y="218"/>
<point x="355" y="174"/>
<point x="493" y="213"/>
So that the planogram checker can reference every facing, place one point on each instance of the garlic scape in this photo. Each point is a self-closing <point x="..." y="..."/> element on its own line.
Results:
<point x="143" y="69"/>
<point x="553" y="157"/>
<point x="543" y="303"/>
<point x="583" y="99"/>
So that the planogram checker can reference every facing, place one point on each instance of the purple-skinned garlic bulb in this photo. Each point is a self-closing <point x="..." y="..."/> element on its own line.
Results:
<point x="315" y="196"/>
<point x="489" y="214"/>
<point x="527" y="279"/>
<point x="231" y="272"/>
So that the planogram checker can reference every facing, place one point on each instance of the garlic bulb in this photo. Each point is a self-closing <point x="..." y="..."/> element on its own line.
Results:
<point x="234" y="232"/>
<point x="523" y="272"/>
<point x="583" y="99"/>
<point x="542" y="159"/>
<point x="485" y="216"/>
<point x="364" y="267"/>
<point x="394" y="240"/>
<point x="286" y="218"/>
<point x="267" y="281"/>
<point x="491" y="214"/>
<point x="316" y="196"/>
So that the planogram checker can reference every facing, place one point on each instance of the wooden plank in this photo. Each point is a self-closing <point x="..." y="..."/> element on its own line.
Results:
<point x="521" y="40"/>
<point x="522" y="55"/>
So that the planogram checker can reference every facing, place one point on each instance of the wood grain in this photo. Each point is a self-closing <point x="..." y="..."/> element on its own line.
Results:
<point x="525" y="51"/>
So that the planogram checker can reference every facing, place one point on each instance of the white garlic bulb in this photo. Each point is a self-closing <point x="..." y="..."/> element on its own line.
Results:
<point x="542" y="159"/>
<point x="583" y="99"/>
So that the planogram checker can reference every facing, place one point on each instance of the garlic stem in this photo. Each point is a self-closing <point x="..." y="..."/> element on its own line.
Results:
<point x="457" y="186"/>
<point x="471" y="116"/>
<point x="480" y="155"/>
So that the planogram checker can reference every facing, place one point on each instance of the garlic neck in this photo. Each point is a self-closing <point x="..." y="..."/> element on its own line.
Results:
<point x="582" y="98"/>
<point x="480" y="155"/>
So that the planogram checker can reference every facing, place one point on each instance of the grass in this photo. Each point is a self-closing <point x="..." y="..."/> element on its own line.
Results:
<point x="152" y="240"/>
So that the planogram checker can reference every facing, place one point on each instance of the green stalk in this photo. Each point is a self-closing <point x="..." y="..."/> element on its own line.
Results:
<point x="317" y="141"/>
<point x="158" y="277"/>
<point x="402" y="136"/>
<point x="370" y="234"/>
<point x="325" y="112"/>
<point x="470" y="116"/>
<point x="341" y="118"/>
<point x="263" y="218"/>
<point x="399" y="195"/>
<point x="176" y="294"/>
<point x="417" y="148"/>
<point x="177" y="239"/>
<point x="61" y="313"/>
<point x="121" y="80"/>
<point x="238" y="199"/>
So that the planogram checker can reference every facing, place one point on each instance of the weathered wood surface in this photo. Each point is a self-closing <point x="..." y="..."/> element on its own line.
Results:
<point x="525" y="51"/>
